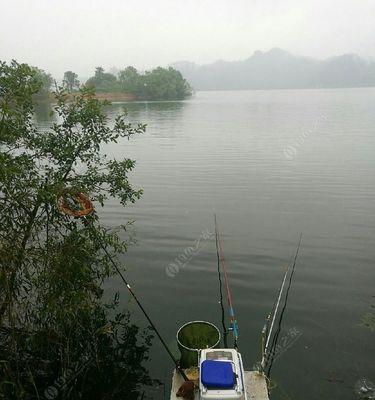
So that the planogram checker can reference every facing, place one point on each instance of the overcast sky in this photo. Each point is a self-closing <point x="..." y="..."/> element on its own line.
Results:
<point x="58" y="35"/>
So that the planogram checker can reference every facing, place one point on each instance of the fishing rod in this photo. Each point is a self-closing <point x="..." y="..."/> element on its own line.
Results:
<point x="267" y="329"/>
<point x="270" y="351"/>
<point x="83" y="200"/>
<point x="276" y="337"/>
<point x="233" y="321"/>
<point x="180" y="370"/>
<point x="225" y="331"/>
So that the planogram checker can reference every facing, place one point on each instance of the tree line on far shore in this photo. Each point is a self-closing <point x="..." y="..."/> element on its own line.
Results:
<point x="157" y="84"/>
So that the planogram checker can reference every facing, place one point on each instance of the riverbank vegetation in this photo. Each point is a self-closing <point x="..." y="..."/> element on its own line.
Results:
<point x="127" y="85"/>
<point x="158" y="84"/>
<point x="59" y="337"/>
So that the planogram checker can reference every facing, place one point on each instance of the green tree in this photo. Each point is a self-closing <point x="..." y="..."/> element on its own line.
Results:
<point x="70" y="81"/>
<point x="55" y="328"/>
<point x="103" y="81"/>
<point x="158" y="84"/>
<point x="45" y="81"/>
<point x="130" y="80"/>
<point x="99" y="73"/>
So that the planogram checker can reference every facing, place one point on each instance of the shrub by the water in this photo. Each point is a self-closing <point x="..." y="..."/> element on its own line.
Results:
<point x="58" y="337"/>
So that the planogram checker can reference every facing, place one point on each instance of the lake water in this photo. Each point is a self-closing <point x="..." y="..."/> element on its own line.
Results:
<point x="270" y="164"/>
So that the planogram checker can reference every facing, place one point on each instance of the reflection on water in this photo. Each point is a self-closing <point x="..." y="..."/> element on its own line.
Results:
<point x="150" y="106"/>
<point x="224" y="152"/>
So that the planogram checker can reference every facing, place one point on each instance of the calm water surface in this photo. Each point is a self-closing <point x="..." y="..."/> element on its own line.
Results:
<point x="270" y="164"/>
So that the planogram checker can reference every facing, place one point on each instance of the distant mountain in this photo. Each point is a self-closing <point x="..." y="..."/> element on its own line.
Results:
<point x="278" y="69"/>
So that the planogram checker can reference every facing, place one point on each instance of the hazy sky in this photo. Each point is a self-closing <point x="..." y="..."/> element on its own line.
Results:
<point x="58" y="35"/>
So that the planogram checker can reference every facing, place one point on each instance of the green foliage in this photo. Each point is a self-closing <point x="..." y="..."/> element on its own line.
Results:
<point x="45" y="80"/>
<point x="165" y="84"/>
<point x="70" y="81"/>
<point x="18" y="83"/>
<point x="103" y="81"/>
<point x="158" y="84"/>
<point x="57" y="337"/>
<point x="130" y="80"/>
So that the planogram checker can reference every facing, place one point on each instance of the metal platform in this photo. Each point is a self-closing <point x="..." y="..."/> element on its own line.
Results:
<point x="255" y="384"/>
